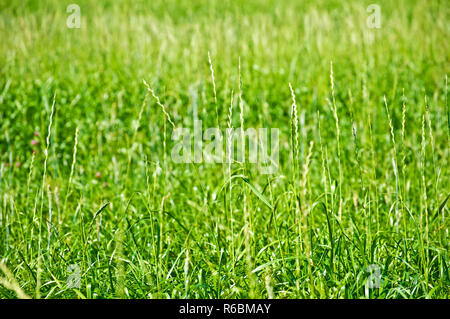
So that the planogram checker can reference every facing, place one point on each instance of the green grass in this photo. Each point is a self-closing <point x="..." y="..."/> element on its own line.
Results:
<point x="361" y="182"/>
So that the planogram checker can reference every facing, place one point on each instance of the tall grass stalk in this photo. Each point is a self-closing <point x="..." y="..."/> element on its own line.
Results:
<point x="294" y="141"/>
<point x="338" y="138"/>
<point x="394" y="160"/>
<point x="44" y="178"/>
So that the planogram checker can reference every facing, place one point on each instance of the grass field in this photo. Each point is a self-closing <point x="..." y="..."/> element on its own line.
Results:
<point x="92" y="204"/>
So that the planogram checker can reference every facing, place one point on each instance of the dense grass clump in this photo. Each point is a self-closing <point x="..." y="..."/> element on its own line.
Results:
<point x="88" y="187"/>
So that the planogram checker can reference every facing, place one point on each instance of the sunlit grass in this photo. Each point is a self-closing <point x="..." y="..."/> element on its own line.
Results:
<point x="89" y="180"/>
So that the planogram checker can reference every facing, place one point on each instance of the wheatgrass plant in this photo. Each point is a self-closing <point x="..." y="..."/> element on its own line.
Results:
<point x="87" y="181"/>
